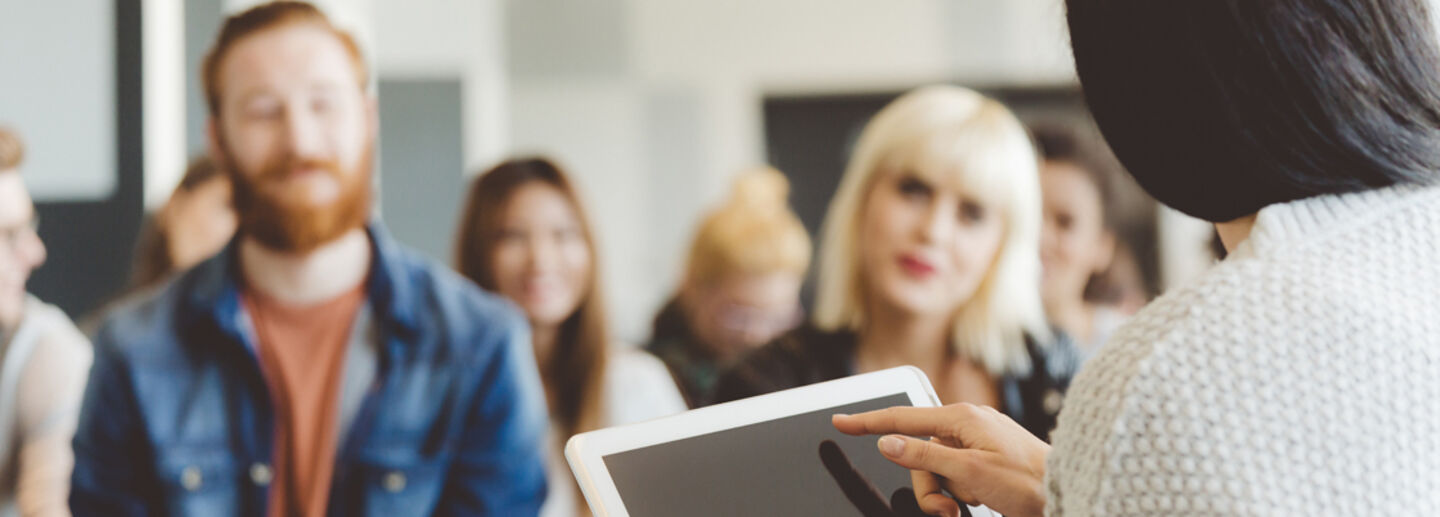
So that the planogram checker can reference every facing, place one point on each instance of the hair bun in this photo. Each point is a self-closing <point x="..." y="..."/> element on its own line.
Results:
<point x="760" y="190"/>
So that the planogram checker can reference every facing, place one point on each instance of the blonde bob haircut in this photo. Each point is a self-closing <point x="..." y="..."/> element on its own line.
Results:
<point x="949" y="135"/>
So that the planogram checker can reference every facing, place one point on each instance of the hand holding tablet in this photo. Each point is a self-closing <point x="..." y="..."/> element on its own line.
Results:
<point x="772" y="455"/>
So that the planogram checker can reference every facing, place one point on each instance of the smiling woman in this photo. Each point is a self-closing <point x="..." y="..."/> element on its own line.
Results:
<point x="524" y="235"/>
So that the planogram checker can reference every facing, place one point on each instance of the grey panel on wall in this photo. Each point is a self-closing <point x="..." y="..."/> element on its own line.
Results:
<point x="202" y="24"/>
<point x="57" y="89"/>
<point x="563" y="39"/>
<point x="421" y="162"/>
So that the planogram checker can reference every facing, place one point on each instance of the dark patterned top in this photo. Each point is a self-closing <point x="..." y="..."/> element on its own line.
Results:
<point x="808" y="355"/>
<point x="695" y="370"/>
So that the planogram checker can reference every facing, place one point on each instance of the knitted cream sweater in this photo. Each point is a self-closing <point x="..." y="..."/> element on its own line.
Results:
<point x="1301" y="376"/>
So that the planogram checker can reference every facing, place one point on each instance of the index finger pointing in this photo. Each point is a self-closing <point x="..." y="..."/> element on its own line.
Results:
<point x="913" y="421"/>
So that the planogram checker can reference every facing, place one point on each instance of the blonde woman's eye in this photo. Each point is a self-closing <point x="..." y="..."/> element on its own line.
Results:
<point x="972" y="212"/>
<point x="913" y="188"/>
<point x="567" y="234"/>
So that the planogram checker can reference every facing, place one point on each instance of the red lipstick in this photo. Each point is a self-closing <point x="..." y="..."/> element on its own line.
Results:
<point x="916" y="266"/>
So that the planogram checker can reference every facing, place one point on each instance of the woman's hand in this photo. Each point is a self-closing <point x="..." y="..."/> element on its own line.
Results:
<point x="976" y="453"/>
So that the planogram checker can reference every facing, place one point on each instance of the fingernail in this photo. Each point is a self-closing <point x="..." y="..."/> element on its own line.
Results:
<point x="892" y="446"/>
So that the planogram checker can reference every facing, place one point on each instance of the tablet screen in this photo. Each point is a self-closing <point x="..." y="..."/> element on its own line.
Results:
<point x="797" y="465"/>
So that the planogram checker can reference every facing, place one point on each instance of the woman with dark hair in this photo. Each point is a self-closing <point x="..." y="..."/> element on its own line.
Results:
<point x="194" y="224"/>
<point x="1297" y="377"/>
<point x="525" y="236"/>
<point x="1078" y="241"/>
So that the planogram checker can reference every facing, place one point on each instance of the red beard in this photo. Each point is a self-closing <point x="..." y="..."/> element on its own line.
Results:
<point x="286" y="226"/>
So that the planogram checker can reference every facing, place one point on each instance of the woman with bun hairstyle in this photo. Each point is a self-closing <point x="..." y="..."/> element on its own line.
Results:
<point x="741" y="286"/>
<point x="930" y="258"/>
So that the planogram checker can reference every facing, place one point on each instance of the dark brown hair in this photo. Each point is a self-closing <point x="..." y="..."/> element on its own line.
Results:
<point x="152" y="251"/>
<point x="574" y="373"/>
<point x="12" y="150"/>
<point x="1063" y="145"/>
<point x="270" y="16"/>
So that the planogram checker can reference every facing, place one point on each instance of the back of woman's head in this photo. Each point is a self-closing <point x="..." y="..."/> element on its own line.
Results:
<point x="1221" y="107"/>
<point x="753" y="233"/>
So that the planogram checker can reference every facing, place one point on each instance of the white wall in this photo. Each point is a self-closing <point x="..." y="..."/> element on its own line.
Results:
<point x="58" y="92"/>
<point x="654" y="105"/>
<point x="451" y="39"/>
<point x="683" y="97"/>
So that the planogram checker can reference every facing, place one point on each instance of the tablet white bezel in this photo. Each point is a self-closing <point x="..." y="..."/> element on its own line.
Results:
<point x="586" y="452"/>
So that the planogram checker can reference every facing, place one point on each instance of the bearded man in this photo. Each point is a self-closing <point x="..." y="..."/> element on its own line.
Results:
<point x="314" y="367"/>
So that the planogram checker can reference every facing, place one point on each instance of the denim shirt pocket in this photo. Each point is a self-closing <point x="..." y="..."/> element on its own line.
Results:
<point x="200" y="480"/>
<point x="398" y="481"/>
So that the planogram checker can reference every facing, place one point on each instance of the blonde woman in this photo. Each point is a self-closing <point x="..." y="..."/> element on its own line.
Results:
<point x="741" y="287"/>
<point x="930" y="258"/>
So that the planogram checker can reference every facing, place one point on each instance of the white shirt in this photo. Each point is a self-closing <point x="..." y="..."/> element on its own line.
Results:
<point x="42" y="379"/>
<point x="638" y="387"/>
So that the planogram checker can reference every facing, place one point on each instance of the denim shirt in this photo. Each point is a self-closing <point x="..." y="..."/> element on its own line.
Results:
<point x="177" y="418"/>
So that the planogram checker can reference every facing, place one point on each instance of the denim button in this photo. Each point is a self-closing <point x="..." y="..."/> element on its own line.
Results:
<point x="260" y="473"/>
<point x="394" y="482"/>
<point x="1053" y="401"/>
<point x="191" y="479"/>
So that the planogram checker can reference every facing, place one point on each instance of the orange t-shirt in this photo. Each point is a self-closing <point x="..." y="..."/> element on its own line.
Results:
<point x="302" y="352"/>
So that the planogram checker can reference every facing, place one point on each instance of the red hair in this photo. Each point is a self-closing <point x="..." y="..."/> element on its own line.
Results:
<point x="264" y="17"/>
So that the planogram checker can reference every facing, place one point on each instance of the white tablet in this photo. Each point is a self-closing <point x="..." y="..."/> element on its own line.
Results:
<point x="771" y="455"/>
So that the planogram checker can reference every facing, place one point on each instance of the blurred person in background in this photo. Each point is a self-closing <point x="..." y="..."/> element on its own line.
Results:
<point x="930" y="258"/>
<point x="314" y="367"/>
<point x="1078" y="240"/>
<point x="741" y="286"/>
<point x="1300" y="375"/>
<point x="194" y="224"/>
<point x="525" y="236"/>
<point x="43" y="360"/>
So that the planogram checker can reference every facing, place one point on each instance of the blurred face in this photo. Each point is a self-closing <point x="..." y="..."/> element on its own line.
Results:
<point x="742" y="311"/>
<point x="926" y="245"/>
<point x="199" y="222"/>
<point x="1075" y="243"/>
<point x="542" y="261"/>
<point x="296" y="131"/>
<point x="20" y="248"/>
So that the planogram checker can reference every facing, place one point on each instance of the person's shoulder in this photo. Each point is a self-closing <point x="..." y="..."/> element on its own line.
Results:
<point x="58" y="340"/>
<point x="804" y="355"/>
<point x="446" y="301"/>
<point x="144" y="324"/>
<point x="623" y="360"/>
<point x="638" y="387"/>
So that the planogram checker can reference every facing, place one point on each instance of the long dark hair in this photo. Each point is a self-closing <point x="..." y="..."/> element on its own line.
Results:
<point x="574" y="373"/>
<point x="1221" y="107"/>
<point x="153" y="262"/>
